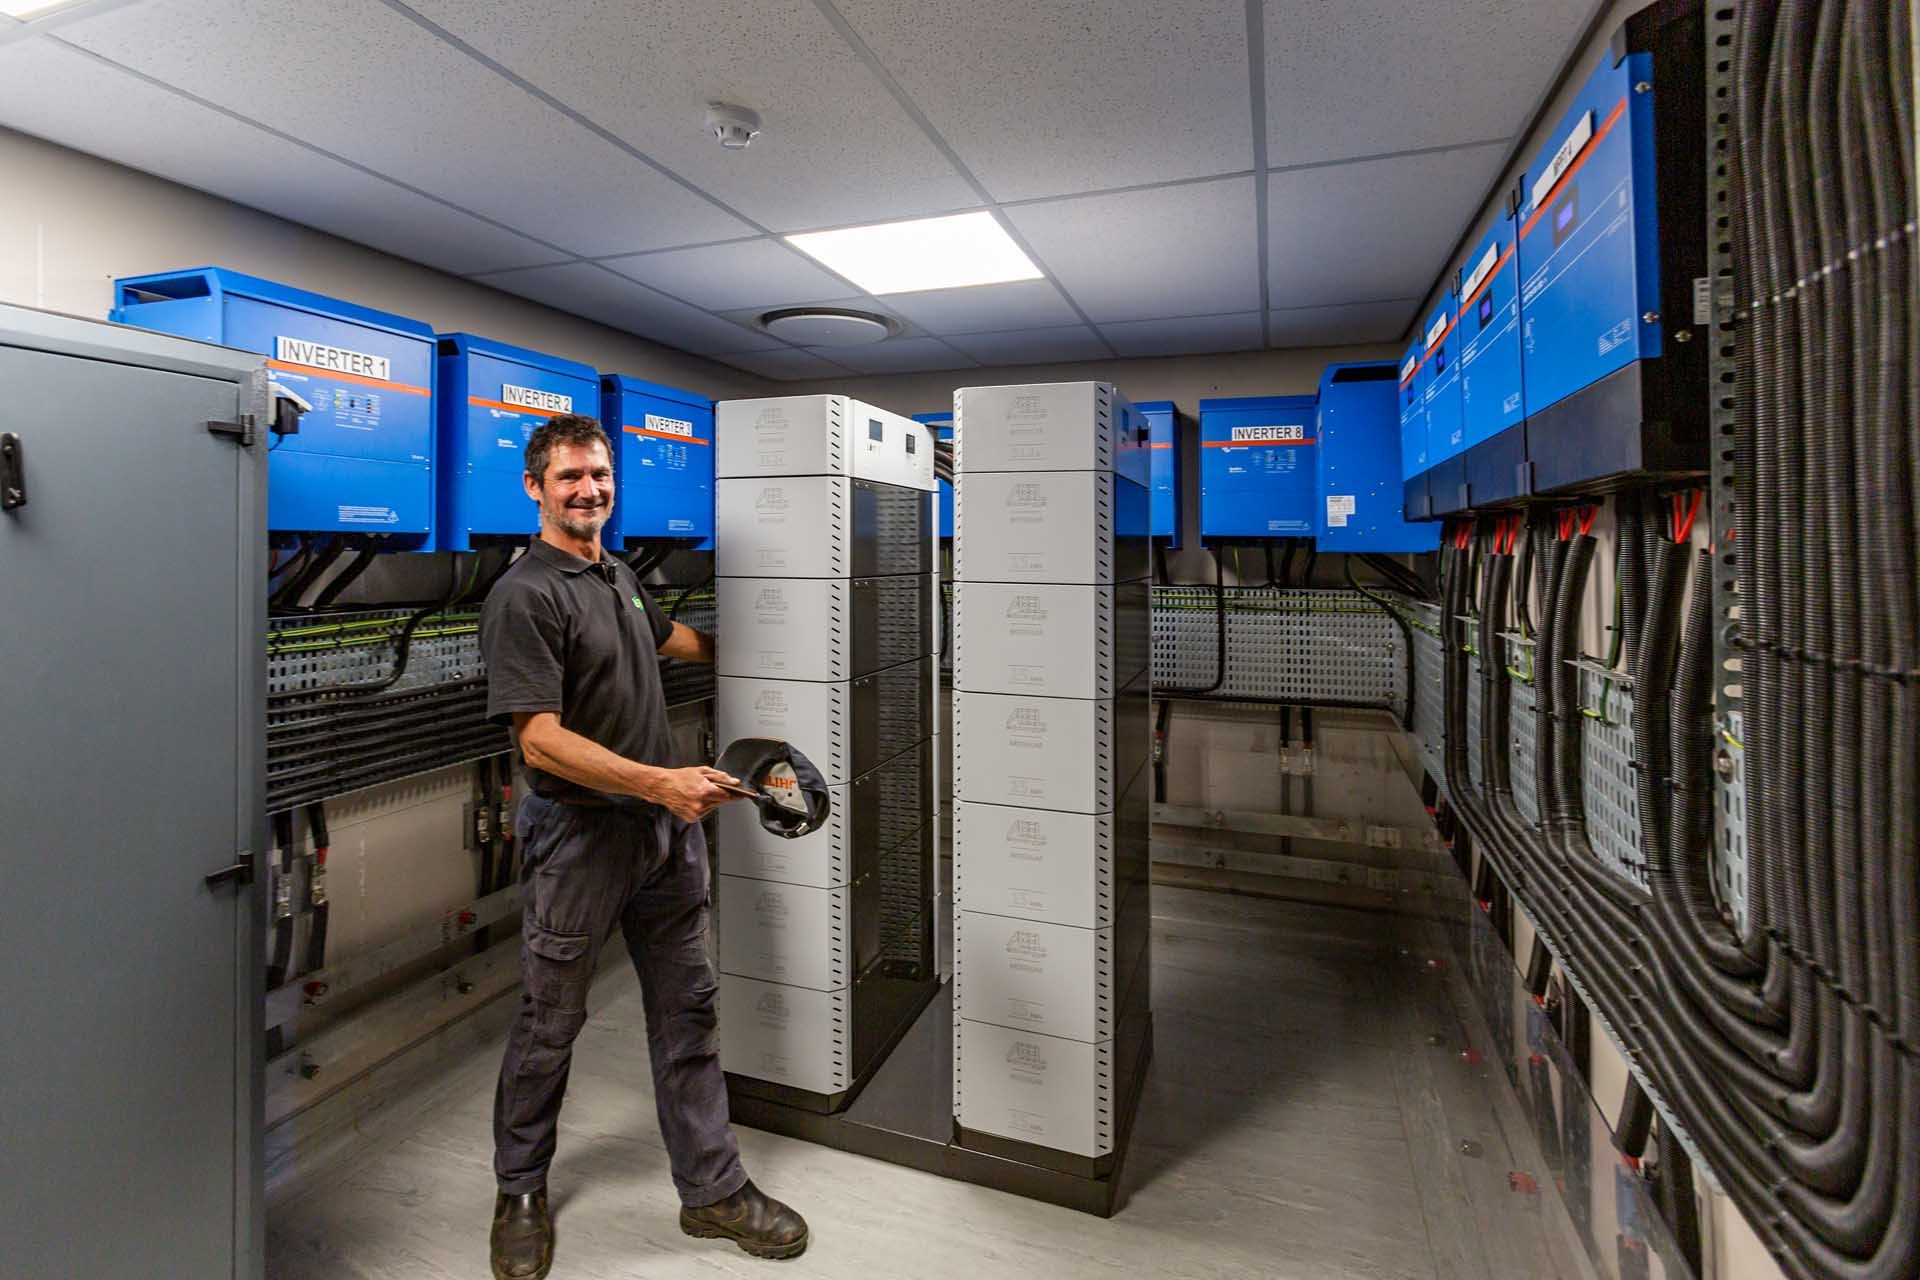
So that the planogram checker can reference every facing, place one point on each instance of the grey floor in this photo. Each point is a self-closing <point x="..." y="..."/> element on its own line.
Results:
<point x="1308" y="1114"/>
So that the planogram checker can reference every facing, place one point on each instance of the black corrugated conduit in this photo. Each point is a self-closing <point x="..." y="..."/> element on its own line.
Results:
<point x="1789" y="1046"/>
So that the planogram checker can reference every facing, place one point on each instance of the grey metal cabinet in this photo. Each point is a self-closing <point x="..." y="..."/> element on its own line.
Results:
<point x="132" y="687"/>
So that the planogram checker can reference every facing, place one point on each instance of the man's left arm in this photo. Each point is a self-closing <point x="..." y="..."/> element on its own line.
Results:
<point x="688" y="645"/>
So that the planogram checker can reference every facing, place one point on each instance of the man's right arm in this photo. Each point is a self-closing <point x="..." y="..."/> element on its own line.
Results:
<point x="688" y="794"/>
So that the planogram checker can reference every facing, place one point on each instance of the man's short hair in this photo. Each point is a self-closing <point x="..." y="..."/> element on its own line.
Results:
<point x="562" y="428"/>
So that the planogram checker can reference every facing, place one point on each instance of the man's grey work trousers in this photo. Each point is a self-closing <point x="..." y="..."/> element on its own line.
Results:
<point x="582" y="871"/>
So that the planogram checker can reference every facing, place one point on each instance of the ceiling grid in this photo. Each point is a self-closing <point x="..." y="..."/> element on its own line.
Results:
<point x="1103" y="136"/>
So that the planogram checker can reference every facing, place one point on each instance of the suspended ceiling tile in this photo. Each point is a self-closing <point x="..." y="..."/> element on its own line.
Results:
<point x="897" y="355"/>
<point x="1371" y="230"/>
<point x="66" y="97"/>
<point x="1045" y="97"/>
<point x="1176" y="251"/>
<point x="1363" y="77"/>
<point x="787" y="364"/>
<point x="835" y="149"/>
<point x="1187" y="336"/>
<point x="1033" y="346"/>
<point x="1024" y="304"/>
<point x="587" y="290"/>
<point x="722" y="277"/>
<point x="1340" y="326"/>
<point x="361" y="81"/>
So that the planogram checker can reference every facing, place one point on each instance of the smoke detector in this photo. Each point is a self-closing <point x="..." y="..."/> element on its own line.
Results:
<point x="735" y="127"/>
<point x="827" y="326"/>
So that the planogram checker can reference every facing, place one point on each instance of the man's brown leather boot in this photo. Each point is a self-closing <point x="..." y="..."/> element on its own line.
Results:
<point x="757" y="1223"/>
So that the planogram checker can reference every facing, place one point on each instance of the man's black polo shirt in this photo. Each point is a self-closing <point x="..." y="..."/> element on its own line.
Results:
<point x="582" y="638"/>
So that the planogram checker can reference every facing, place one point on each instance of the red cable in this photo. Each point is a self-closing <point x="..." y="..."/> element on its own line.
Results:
<point x="1684" y="530"/>
<point x="1586" y="519"/>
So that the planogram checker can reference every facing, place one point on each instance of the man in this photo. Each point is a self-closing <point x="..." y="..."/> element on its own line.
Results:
<point x="609" y="834"/>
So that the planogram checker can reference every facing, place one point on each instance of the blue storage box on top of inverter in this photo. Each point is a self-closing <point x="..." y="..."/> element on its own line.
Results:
<point x="1361" y="489"/>
<point x="362" y="461"/>
<point x="1492" y="412"/>
<point x="1257" y="467"/>
<point x="1611" y="242"/>
<point x="492" y="397"/>
<point x="942" y="424"/>
<point x="663" y="463"/>
<point x="1416" y="498"/>
<point x="1163" y="467"/>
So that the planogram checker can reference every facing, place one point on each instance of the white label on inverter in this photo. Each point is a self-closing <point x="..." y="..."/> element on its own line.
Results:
<point x="1339" y="507"/>
<point x="530" y="398"/>
<point x="1406" y="370"/>
<point x="318" y="355"/>
<point x="1481" y="271"/>
<point x="1563" y="159"/>
<point x="669" y="426"/>
<point x="1436" y="330"/>
<point x="1285" y="431"/>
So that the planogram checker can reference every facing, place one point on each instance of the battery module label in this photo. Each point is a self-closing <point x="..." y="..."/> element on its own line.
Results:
<point x="1562" y="159"/>
<point x="530" y="398"/>
<point x="1286" y="433"/>
<point x="318" y="355"/>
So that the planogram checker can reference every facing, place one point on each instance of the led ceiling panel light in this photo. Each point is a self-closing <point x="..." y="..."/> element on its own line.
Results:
<point x="24" y="9"/>
<point x="951" y="252"/>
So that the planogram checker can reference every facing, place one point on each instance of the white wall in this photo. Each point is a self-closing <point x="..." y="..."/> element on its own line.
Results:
<point x="70" y="223"/>
<point x="1185" y="380"/>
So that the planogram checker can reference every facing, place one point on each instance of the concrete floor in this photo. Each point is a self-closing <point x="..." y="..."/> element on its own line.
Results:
<point x="1308" y="1114"/>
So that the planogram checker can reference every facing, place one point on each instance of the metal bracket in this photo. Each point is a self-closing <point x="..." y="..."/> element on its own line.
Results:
<point x="240" y="431"/>
<point x="241" y="872"/>
<point x="13" y="473"/>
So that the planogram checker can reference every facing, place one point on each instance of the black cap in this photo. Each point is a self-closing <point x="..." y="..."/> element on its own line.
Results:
<point x="792" y="796"/>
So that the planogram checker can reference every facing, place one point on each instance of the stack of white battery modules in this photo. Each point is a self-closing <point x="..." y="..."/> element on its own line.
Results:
<point x="827" y="595"/>
<point x="1052" y="647"/>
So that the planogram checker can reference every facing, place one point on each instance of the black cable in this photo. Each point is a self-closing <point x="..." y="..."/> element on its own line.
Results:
<point x="674" y="608"/>
<point x="317" y="887"/>
<point x="369" y="551"/>
<point x="288" y="595"/>
<point x="403" y="642"/>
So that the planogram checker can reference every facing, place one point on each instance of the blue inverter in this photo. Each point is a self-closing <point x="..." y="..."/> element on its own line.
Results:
<point x="1609" y="256"/>
<point x="663" y="464"/>
<point x="1491" y="409"/>
<point x="492" y="397"/>
<point x="1439" y="380"/>
<point x="1163" y="467"/>
<point x="942" y="424"/>
<point x="1257" y="468"/>
<point x="1361" y="488"/>
<point x="1413" y="438"/>
<point x="362" y="461"/>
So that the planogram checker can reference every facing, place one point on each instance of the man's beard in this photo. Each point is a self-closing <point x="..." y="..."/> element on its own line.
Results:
<point x="577" y="522"/>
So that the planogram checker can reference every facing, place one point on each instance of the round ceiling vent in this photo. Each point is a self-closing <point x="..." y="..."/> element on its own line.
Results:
<point x="827" y="326"/>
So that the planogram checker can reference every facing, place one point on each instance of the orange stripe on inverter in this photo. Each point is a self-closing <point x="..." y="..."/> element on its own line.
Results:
<point x="513" y="408"/>
<point x="1255" y="444"/>
<point x="1479" y="288"/>
<point x="667" y="435"/>
<point x="356" y="378"/>
<point x="1612" y="119"/>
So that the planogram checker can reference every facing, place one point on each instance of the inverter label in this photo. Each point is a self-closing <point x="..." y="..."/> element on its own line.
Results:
<point x="1481" y="271"/>
<point x="530" y="398"/>
<point x="318" y="355"/>
<point x="1562" y="159"/>
<point x="1287" y="432"/>
<point x="669" y="426"/>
